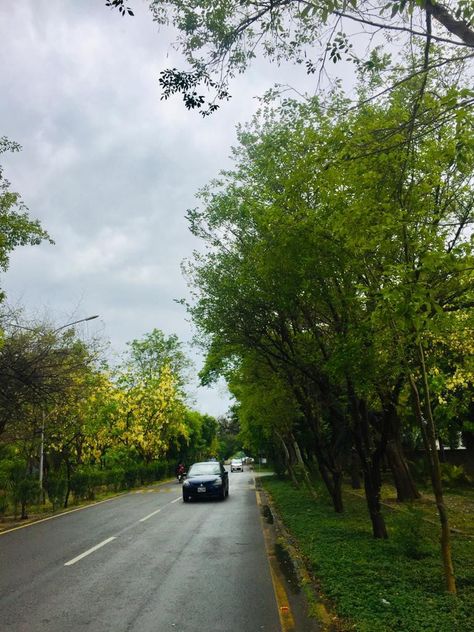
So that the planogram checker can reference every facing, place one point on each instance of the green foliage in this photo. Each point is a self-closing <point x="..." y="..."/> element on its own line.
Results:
<point x="114" y="478"/>
<point x="108" y="431"/>
<point x="56" y="487"/>
<point x="120" y="5"/>
<point x="228" y="435"/>
<point x="80" y="484"/>
<point x="16" y="227"/>
<point x="16" y="485"/>
<point x="86" y="480"/>
<point x="26" y="491"/>
<point x="412" y="534"/>
<point x="220" y="39"/>
<point x="454" y="475"/>
<point x="373" y="584"/>
<point x="148" y="357"/>
<point x="336" y="247"/>
<point x="130" y="477"/>
<point x="200" y="442"/>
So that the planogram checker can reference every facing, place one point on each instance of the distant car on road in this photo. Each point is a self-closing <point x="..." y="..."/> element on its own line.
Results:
<point x="207" y="479"/>
<point x="236" y="465"/>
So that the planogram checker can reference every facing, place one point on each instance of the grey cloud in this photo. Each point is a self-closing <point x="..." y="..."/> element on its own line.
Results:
<point x="107" y="167"/>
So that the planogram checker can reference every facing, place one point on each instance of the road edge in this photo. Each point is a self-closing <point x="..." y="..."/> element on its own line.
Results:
<point x="281" y="596"/>
<point x="92" y="503"/>
<point x="317" y="609"/>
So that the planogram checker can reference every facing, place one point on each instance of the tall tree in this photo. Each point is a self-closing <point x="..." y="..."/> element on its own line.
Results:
<point x="16" y="227"/>
<point x="337" y="245"/>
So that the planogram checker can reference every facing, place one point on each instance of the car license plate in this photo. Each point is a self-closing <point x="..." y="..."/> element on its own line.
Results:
<point x="201" y="488"/>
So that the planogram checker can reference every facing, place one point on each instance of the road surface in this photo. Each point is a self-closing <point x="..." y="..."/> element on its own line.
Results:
<point x="142" y="562"/>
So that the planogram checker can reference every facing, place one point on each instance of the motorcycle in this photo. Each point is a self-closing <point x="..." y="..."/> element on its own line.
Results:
<point x="181" y="476"/>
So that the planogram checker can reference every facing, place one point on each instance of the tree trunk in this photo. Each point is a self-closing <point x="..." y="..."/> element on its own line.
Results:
<point x="68" y="483"/>
<point x="355" y="470"/>
<point x="330" y="471"/>
<point x="370" y="460"/>
<point x="404" y="483"/>
<point x="372" y="484"/>
<point x="459" y="28"/>
<point x="288" y="460"/>
<point x="302" y="465"/>
<point x="428" y="431"/>
<point x="336" y="495"/>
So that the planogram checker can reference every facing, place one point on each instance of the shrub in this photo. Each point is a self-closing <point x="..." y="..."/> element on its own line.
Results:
<point x="115" y="478"/>
<point x="161" y="470"/>
<point x="26" y="491"/>
<point x="145" y="473"/>
<point x="86" y="480"/>
<point x="130" y="476"/>
<point x="79" y="484"/>
<point x="420" y="470"/>
<point x="412" y="533"/>
<point x="454" y="474"/>
<point x="158" y="470"/>
<point x="6" y="487"/>
<point x="56" y="486"/>
<point x="3" y="502"/>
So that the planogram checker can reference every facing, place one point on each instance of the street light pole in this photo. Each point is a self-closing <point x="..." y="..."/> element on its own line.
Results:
<point x="75" y="322"/>
<point x="41" y="459"/>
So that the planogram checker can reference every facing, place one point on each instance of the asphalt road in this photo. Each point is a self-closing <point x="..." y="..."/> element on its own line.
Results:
<point x="142" y="562"/>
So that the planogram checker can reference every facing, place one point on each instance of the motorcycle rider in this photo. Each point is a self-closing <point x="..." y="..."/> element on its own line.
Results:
<point x="180" y="472"/>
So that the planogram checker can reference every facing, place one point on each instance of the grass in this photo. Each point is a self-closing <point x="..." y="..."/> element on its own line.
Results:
<point x="459" y="502"/>
<point x="379" y="586"/>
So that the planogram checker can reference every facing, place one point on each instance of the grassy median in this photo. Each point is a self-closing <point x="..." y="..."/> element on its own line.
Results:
<point x="379" y="586"/>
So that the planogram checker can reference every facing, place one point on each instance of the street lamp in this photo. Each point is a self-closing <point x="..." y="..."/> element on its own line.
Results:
<point x="75" y="322"/>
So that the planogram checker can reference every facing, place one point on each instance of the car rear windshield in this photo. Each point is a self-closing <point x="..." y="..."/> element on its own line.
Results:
<point x="199" y="469"/>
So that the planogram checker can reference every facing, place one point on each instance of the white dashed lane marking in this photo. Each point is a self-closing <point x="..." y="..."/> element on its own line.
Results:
<point x="101" y="544"/>
<point x="149" y="515"/>
<point x="89" y="551"/>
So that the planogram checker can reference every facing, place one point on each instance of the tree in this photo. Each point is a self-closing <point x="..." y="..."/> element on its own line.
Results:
<point x="270" y="417"/>
<point x="337" y="246"/>
<point x="200" y="442"/>
<point x="45" y="376"/>
<point x="150" y="382"/>
<point x="38" y="367"/>
<point x="228" y="434"/>
<point x="221" y="39"/>
<point x="155" y="351"/>
<point x="16" y="227"/>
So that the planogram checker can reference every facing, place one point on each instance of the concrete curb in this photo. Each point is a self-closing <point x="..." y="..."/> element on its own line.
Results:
<point x="316" y="607"/>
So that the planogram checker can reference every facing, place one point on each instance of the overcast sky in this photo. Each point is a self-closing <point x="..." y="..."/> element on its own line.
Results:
<point x="107" y="167"/>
